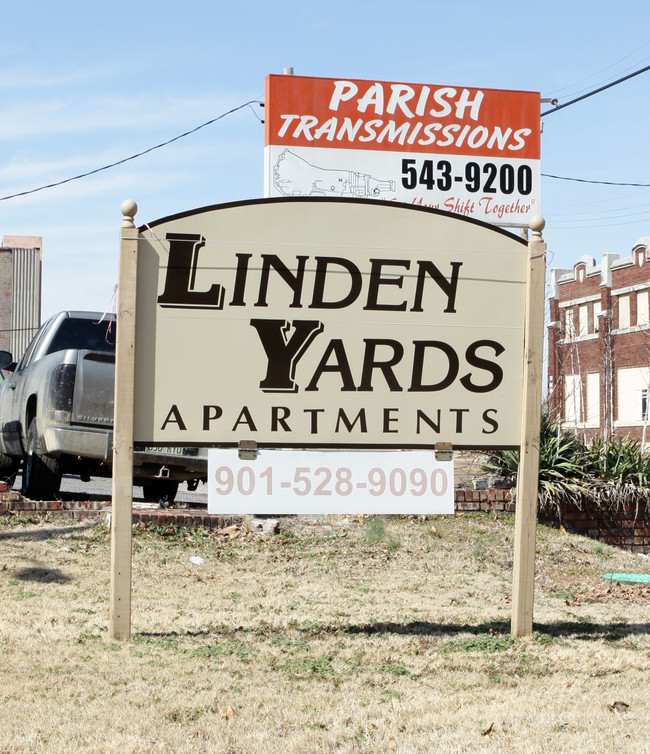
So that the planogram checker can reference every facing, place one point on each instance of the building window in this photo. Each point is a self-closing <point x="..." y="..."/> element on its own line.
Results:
<point x="642" y="310"/>
<point x="593" y="398"/>
<point x="569" y="327"/>
<point x="583" y="320"/>
<point x="632" y="395"/>
<point x="623" y="312"/>
<point x="572" y="398"/>
<point x="597" y="312"/>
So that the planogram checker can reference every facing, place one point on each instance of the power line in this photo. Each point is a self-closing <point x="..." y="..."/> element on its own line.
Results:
<point x="596" y="91"/>
<point x="256" y="101"/>
<point x="603" y="183"/>
<point x="133" y="156"/>
<point x="556" y="92"/>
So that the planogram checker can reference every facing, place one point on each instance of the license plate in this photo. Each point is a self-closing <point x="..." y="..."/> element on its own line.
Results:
<point x="167" y="451"/>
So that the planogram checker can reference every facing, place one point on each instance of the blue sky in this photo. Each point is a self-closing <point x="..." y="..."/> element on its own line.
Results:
<point x="87" y="84"/>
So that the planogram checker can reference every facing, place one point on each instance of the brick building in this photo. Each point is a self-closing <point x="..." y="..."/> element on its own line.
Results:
<point x="20" y="291"/>
<point x="599" y="344"/>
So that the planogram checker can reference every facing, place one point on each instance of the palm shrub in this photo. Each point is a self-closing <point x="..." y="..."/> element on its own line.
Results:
<point x="619" y="460"/>
<point x="563" y="473"/>
<point x="605" y="472"/>
<point x="621" y="470"/>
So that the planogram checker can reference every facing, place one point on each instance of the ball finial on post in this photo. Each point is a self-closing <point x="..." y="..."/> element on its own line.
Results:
<point x="537" y="224"/>
<point x="129" y="208"/>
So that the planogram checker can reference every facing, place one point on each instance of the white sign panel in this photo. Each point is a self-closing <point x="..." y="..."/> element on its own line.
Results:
<point x="328" y="323"/>
<point x="475" y="152"/>
<point x="309" y="481"/>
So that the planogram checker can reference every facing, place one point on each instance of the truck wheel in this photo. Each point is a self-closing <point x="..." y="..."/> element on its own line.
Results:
<point x="161" y="491"/>
<point x="8" y="469"/>
<point x="41" y="473"/>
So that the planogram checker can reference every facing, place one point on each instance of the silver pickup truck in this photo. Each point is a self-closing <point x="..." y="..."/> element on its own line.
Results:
<point x="56" y="414"/>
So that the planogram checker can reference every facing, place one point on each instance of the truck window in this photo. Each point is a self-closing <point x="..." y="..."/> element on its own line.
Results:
<point x="84" y="333"/>
<point x="33" y="346"/>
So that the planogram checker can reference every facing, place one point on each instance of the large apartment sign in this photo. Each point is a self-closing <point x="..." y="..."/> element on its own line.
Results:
<point x="328" y="323"/>
<point x="474" y="152"/>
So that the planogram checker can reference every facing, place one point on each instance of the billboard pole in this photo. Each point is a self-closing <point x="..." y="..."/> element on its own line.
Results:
<point x="528" y="475"/>
<point x="122" y="491"/>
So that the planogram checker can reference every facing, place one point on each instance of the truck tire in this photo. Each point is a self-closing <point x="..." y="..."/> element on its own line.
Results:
<point x="162" y="491"/>
<point x="8" y="469"/>
<point x="41" y="473"/>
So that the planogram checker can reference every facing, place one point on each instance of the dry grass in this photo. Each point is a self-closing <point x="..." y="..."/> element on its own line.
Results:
<point x="365" y="636"/>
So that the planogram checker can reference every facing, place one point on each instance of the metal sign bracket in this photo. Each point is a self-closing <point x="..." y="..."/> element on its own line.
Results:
<point x="247" y="450"/>
<point x="444" y="451"/>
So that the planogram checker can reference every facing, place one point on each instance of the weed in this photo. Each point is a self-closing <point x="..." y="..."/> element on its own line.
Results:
<point x="310" y="667"/>
<point x="479" y="551"/>
<point x="85" y="637"/>
<point x="392" y="545"/>
<point x="112" y="647"/>
<point x="24" y="596"/>
<point x="568" y="595"/>
<point x="225" y="647"/>
<point x="377" y="533"/>
<point x="392" y="669"/>
<point x="390" y="694"/>
<point x="185" y="717"/>
<point x="164" y="642"/>
<point x="375" y="530"/>
<point x="484" y="643"/>
<point x="543" y="639"/>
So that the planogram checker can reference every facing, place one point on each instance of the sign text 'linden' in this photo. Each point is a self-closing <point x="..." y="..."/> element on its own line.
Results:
<point x="303" y="339"/>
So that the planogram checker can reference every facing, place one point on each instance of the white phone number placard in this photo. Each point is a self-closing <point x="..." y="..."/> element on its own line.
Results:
<point x="320" y="481"/>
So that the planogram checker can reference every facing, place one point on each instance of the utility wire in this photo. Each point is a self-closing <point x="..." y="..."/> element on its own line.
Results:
<point x="585" y="180"/>
<point x="556" y="92"/>
<point x="596" y="91"/>
<point x="133" y="156"/>
<point x="251" y="102"/>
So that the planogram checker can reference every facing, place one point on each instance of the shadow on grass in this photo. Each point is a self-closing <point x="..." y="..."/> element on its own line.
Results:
<point x="562" y="629"/>
<point x="43" y="534"/>
<point x="42" y="575"/>
<point x="586" y="631"/>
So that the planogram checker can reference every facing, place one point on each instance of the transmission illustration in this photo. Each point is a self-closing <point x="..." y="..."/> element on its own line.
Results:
<point x="293" y="176"/>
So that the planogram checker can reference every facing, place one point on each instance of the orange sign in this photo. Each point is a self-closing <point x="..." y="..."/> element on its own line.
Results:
<point x="471" y="151"/>
<point x="354" y="114"/>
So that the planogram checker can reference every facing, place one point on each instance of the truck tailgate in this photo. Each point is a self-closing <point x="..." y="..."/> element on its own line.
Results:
<point x="94" y="389"/>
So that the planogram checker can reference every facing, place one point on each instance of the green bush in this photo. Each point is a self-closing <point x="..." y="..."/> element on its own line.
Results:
<point x="562" y="469"/>
<point x="603" y="470"/>
<point x="618" y="460"/>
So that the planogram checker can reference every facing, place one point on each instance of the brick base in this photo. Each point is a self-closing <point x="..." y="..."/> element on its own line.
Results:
<point x="627" y="526"/>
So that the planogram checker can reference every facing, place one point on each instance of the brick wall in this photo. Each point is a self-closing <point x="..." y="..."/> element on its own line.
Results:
<point x="628" y="527"/>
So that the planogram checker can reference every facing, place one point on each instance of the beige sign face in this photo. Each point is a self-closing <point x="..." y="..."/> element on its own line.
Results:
<point x="328" y="323"/>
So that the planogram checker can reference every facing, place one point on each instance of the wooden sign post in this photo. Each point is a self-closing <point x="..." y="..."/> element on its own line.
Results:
<point x="394" y="236"/>
<point x="122" y="497"/>
<point x="528" y="476"/>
